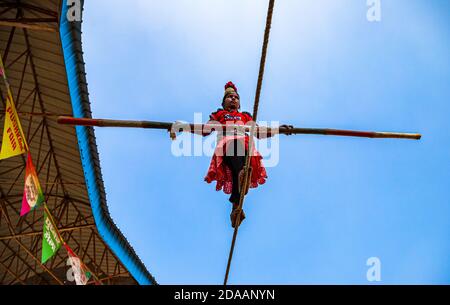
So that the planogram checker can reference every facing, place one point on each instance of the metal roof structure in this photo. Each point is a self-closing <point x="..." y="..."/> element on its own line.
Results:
<point x="43" y="60"/>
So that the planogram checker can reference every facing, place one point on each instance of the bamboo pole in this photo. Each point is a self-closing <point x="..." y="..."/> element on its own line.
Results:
<point x="282" y="130"/>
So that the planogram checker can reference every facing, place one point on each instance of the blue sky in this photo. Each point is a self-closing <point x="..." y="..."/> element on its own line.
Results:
<point x="331" y="203"/>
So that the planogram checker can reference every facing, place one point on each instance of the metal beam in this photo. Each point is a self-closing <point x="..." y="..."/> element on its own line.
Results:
<point x="16" y="277"/>
<point x="30" y="7"/>
<point x="30" y="26"/>
<point x="8" y="45"/>
<point x="22" y="259"/>
<point x="29" y="20"/>
<point x="31" y="234"/>
<point x="41" y="103"/>
<point x="24" y="248"/>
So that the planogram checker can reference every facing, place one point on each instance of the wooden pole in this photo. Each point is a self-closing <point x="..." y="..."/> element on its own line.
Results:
<point x="282" y="130"/>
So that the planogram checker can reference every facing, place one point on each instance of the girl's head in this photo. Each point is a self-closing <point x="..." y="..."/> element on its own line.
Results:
<point x="230" y="99"/>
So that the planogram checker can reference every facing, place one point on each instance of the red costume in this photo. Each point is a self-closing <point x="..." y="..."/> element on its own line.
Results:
<point x="218" y="170"/>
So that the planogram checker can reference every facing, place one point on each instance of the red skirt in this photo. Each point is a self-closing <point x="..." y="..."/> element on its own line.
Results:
<point x="220" y="172"/>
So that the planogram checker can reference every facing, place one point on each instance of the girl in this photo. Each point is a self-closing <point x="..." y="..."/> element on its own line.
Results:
<point x="228" y="161"/>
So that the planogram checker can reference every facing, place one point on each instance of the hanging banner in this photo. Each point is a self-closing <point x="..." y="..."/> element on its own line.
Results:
<point x="13" y="141"/>
<point x="32" y="193"/>
<point x="81" y="274"/>
<point x="50" y="239"/>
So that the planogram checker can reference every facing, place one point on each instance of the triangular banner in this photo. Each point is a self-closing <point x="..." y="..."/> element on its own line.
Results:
<point x="81" y="274"/>
<point x="50" y="239"/>
<point x="32" y="193"/>
<point x="13" y="141"/>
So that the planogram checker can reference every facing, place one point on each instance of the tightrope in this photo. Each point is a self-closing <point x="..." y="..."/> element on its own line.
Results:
<point x="252" y="133"/>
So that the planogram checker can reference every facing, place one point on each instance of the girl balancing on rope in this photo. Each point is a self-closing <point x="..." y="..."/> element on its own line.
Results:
<point x="228" y="162"/>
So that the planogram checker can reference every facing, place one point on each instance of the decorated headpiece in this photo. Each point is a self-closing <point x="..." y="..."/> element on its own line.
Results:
<point x="229" y="89"/>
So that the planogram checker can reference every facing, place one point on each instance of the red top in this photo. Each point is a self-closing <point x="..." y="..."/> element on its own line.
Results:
<point x="218" y="170"/>
<point x="223" y="116"/>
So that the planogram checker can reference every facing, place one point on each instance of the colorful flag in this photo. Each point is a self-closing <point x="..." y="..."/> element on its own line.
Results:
<point x="81" y="274"/>
<point x="50" y="239"/>
<point x="13" y="142"/>
<point x="32" y="193"/>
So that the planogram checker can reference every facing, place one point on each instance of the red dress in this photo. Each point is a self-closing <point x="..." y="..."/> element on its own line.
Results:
<point x="218" y="170"/>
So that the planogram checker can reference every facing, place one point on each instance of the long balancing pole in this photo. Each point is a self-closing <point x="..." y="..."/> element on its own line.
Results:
<point x="282" y="130"/>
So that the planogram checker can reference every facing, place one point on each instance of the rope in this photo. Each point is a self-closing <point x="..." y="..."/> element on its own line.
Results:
<point x="252" y="133"/>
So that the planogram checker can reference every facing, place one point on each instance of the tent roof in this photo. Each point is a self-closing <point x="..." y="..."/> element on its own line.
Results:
<point x="44" y="64"/>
